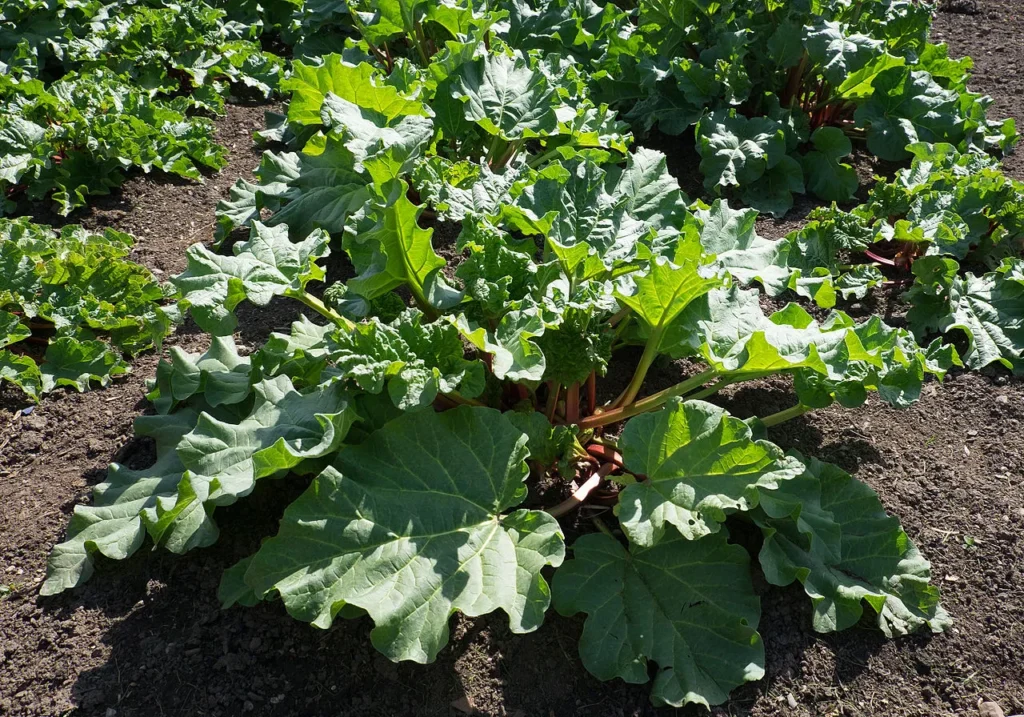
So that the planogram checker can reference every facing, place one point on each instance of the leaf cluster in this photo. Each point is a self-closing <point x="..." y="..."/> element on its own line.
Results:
<point x="91" y="90"/>
<point x="776" y="91"/>
<point x="72" y="307"/>
<point x="951" y="226"/>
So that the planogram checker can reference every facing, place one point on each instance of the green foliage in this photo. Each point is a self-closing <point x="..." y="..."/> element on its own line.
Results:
<point x="948" y="211"/>
<point x="501" y="246"/>
<point x="72" y="306"/>
<point x="91" y="90"/>
<point x="761" y="81"/>
<point x="81" y="134"/>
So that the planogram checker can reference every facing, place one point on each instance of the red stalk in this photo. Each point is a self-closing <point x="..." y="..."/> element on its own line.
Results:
<point x="880" y="259"/>
<point x="572" y="404"/>
<point x="592" y="392"/>
<point x="605" y="453"/>
<point x="582" y="492"/>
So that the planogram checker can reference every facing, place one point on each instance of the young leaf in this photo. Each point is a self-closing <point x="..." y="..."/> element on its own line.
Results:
<point x="516" y="356"/>
<point x="408" y="257"/>
<point x="699" y="462"/>
<point x="416" y="360"/>
<point x="412" y="541"/>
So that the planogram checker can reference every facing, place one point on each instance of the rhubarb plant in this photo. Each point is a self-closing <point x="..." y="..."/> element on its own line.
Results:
<point x="423" y="394"/>
<point x="72" y="307"/>
<point x="949" y="228"/>
<point x="92" y="90"/>
<point x="777" y="92"/>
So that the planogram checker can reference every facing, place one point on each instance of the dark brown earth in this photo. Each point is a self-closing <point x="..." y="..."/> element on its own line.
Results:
<point x="146" y="637"/>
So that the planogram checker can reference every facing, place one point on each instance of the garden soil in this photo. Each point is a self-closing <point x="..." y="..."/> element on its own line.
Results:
<point x="146" y="637"/>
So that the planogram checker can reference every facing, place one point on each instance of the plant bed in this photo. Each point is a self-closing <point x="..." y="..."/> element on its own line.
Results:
<point x="495" y="683"/>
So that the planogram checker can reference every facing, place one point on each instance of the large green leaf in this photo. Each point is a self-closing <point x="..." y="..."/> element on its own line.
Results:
<point x="699" y="464"/>
<point x="838" y="52"/>
<point x="507" y="97"/>
<point x="688" y="606"/>
<point x="737" y="151"/>
<point x="907" y="106"/>
<point x="876" y="561"/>
<point x="112" y="524"/>
<point x="662" y="293"/>
<point x="219" y="374"/>
<point x="411" y="525"/>
<point x="224" y="459"/>
<point x="828" y="177"/>
<point x="306" y="192"/>
<point x="266" y="265"/>
<point x="361" y="85"/>
<point x="988" y="308"/>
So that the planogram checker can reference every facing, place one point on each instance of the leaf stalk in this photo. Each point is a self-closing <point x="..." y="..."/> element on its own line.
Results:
<point x="786" y="415"/>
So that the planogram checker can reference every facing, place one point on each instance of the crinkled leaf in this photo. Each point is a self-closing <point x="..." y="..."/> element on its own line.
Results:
<point x="699" y="464"/>
<point x="224" y="459"/>
<point x="416" y="361"/>
<point x="687" y="606"/>
<point x="268" y="264"/>
<point x="411" y="542"/>
<point x="876" y="563"/>
<point x="112" y="525"/>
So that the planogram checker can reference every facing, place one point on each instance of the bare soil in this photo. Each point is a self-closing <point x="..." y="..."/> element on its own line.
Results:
<point x="147" y="637"/>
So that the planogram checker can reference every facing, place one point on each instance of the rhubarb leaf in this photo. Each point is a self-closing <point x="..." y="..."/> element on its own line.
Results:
<point x="268" y="264"/>
<point x="699" y="463"/>
<point x="411" y="542"/>
<point x="687" y="606"/>
<point x="876" y="563"/>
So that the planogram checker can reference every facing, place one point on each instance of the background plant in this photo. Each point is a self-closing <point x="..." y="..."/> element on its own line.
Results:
<point x="776" y="91"/>
<point x="90" y="90"/>
<point x="72" y="307"/>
